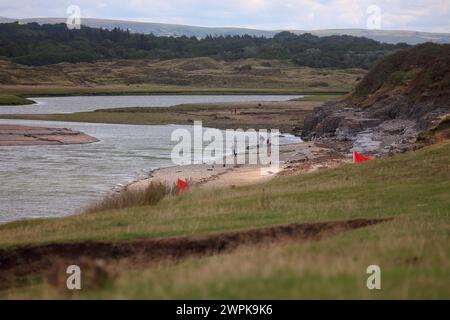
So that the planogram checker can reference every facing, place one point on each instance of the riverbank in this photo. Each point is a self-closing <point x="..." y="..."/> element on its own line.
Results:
<point x="304" y="156"/>
<point x="287" y="116"/>
<point x="18" y="135"/>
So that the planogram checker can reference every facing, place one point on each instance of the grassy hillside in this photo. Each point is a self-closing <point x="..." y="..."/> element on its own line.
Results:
<point x="412" y="249"/>
<point x="177" y="76"/>
<point x="203" y="73"/>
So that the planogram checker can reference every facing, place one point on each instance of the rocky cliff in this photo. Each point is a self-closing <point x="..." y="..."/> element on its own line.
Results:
<point x="405" y="94"/>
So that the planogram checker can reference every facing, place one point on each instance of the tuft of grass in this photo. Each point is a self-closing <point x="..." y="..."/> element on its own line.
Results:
<point x="148" y="196"/>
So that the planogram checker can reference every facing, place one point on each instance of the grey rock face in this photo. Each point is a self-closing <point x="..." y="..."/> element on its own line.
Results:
<point x="389" y="125"/>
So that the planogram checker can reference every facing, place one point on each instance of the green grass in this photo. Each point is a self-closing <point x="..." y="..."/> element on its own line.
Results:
<point x="412" y="250"/>
<point x="11" y="99"/>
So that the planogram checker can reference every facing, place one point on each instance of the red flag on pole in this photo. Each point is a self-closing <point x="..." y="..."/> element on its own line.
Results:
<point x="182" y="185"/>
<point x="357" y="157"/>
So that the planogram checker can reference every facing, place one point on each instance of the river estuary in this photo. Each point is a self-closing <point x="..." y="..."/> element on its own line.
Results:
<point x="53" y="181"/>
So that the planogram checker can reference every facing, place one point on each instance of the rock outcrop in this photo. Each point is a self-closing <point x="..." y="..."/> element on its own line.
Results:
<point x="405" y="94"/>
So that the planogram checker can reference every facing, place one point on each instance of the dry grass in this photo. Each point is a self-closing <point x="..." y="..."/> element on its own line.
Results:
<point x="127" y="198"/>
<point x="196" y="75"/>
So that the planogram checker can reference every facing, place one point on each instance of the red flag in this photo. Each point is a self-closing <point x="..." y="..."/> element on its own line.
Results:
<point x="357" y="157"/>
<point x="182" y="185"/>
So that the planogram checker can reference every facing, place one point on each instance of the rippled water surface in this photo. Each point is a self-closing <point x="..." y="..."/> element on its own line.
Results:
<point x="52" y="181"/>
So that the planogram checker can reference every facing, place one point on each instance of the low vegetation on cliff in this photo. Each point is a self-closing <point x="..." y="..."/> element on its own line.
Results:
<point x="422" y="72"/>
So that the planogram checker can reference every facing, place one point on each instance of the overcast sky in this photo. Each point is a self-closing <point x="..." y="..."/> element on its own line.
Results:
<point x="431" y="15"/>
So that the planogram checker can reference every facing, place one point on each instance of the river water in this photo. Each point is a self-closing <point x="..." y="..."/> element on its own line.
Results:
<point x="54" y="181"/>
<point x="91" y="103"/>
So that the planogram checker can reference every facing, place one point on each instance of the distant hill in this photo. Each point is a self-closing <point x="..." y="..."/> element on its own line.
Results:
<point x="387" y="36"/>
<point x="163" y="29"/>
<point x="6" y="20"/>
<point x="157" y="29"/>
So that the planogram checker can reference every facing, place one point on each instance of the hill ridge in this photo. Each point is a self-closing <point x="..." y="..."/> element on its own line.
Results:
<point x="168" y="29"/>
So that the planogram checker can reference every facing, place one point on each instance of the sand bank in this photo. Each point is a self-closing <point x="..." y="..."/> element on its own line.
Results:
<point x="17" y="135"/>
<point x="305" y="156"/>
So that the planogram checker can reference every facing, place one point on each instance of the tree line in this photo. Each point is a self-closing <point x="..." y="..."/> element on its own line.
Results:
<point x="34" y="44"/>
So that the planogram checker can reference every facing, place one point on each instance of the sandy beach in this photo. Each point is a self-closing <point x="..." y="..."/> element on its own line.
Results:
<point x="304" y="157"/>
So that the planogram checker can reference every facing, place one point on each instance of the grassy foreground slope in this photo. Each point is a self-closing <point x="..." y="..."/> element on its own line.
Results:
<point x="412" y="250"/>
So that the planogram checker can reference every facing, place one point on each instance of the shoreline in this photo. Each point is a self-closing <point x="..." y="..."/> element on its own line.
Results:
<point x="18" y="99"/>
<point x="287" y="116"/>
<point x="303" y="156"/>
<point x="295" y="157"/>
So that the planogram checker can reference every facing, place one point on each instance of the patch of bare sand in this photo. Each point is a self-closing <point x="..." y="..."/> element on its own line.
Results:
<point x="299" y="157"/>
<point x="17" y="135"/>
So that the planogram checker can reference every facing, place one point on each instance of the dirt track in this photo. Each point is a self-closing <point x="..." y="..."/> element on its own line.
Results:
<point x="15" y="264"/>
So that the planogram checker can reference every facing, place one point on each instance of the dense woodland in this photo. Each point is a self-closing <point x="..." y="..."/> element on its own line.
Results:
<point x="34" y="44"/>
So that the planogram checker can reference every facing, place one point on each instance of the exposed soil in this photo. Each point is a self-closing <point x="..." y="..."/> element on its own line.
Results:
<point x="16" y="264"/>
